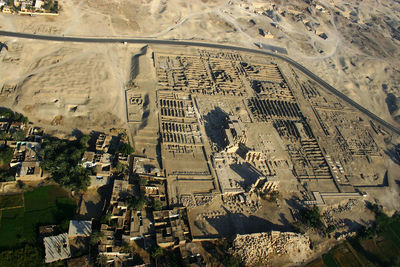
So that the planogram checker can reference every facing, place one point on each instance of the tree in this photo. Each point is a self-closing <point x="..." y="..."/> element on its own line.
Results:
<point x="311" y="217"/>
<point x="395" y="261"/>
<point x="273" y="196"/>
<point x="21" y="185"/>
<point x="121" y="168"/>
<point x="382" y="221"/>
<point x="231" y="260"/>
<point x="6" y="155"/>
<point x="6" y="113"/>
<point x="95" y="237"/>
<point x="156" y="204"/>
<point x="366" y="232"/>
<point x="157" y="252"/>
<point x="126" y="149"/>
<point x="330" y="229"/>
<point x="84" y="140"/>
<point x="61" y="159"/>
<point x="8" y="175"/>
<point x="20" y="118"/>
<point x="106" y="217"/>
<point x="143" y="181"/>
<point x="101" y="260"/>
<point x="297" y="227"/>
<point x="137" y="203"/>
<point x="4" y="135"/>
<point x="18" y="135"/>
<point x="13" y="116"/>
<point x="127" y="248"/>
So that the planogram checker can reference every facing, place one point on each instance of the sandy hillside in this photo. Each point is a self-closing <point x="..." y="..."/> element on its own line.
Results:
<point x="354" y="45"/>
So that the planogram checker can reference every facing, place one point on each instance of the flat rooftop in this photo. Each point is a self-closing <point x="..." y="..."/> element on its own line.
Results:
<point x="56" y="248"/>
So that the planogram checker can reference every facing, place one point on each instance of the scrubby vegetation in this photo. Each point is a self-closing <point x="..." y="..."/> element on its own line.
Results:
<point x="120" y="168"/>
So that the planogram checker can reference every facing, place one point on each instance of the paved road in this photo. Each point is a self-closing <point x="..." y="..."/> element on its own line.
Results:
<point x="206" y="45"/>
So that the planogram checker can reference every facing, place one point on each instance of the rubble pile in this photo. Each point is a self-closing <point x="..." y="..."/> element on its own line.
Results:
<point x="255" y="247"/>
<point x="191" y="201"/>
<point x="211" y="215"/>
<point x="240" y="203"/>
<point x="346" y="207"/>
<point x="203" y="199"/>
<point x="188" y="201"/>
<point x="344" y="236"/>
<point x="330" y="216"/>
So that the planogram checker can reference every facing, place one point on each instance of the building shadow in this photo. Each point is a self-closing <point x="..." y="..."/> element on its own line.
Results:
<point x="3" y="45"/>
<point x="146" y="112"/>
<point x="393" y="155"/>
<point x="135" y="63"/>
<point x="77" y="133"/>
<point x="247" y="172"/>
<point x="391" y="103"/>
<point x="237" y="223"/>
<point x="215" y="123"/>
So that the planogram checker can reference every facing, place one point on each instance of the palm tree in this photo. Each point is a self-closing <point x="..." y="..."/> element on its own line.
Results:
<point x="101" y="260"/>
<point x="95" y="237"/>
<point x="157" y="253"/>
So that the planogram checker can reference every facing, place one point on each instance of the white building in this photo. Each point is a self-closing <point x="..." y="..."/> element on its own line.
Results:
<point x="38" y="4"/>
<point x="79" y="228"/>
<point x="57" y="248"/>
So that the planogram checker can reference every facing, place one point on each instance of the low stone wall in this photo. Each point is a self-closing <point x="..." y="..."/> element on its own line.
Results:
<point x="37" y="13"/>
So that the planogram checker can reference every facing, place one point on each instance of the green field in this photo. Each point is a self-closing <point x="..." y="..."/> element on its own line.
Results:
<point x="329" y="260"/>
<point x="43" y="206"/>
<point x="11" y="201"/>
<point x="385" y="248"/>
<point x="317" y="263"/>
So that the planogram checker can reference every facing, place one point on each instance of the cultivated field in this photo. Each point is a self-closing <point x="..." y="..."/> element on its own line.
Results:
<point x="11" y="202"/>
<point x="44" y="205"/>
<point x="379" y="251"/>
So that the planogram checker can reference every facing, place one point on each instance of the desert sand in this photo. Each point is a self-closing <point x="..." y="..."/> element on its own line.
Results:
<point x="353" y="45"/>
